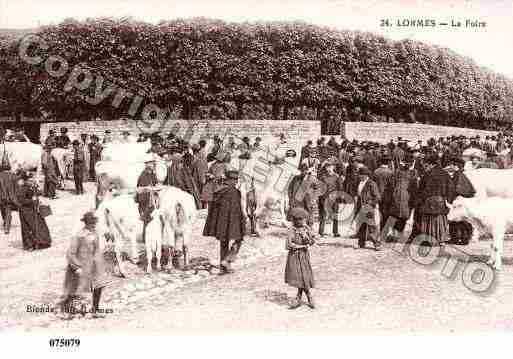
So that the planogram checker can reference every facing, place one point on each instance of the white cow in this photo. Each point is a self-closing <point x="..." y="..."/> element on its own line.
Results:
<point x="123" y="152"/>
<point x="491" y="182"/>
<point x="126" y="173"/>
<point x="488" y="216"/>
<point x="24" y="155"/>
<point x="118" y="218"/>
<point x="64" y="158"/>
<point x="175" y="214"/>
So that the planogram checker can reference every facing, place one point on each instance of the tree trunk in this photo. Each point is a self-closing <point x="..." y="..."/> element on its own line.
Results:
<point x="240" y="110"/>
<point x="186" y="110"/>
<point x="276" y="111"/>
<point x="286" y="113"/>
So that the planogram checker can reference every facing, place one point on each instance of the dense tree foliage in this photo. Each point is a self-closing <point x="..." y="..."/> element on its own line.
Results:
<point x="204" y="68"/>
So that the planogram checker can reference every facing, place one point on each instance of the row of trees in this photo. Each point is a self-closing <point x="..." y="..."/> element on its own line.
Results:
<point x="212" y="69"/>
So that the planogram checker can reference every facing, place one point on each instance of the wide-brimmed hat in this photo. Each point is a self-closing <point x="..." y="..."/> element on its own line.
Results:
<point x="89" y="217"/>
<point x="298" y="213"/>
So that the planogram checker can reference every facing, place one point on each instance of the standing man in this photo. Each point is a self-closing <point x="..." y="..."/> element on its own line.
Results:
<point x="328" y="203"/>
<point x="382" y="176"/>
<point x="257" y="145"/>
<point x="51" y="139"/>
<point x="51" y="172"/>
<point x="143" y="198"/>
<point x="199" y="168"/>
<point x="300" y="193"/>
<point x="125" y="137"/>
<point x="8" y="198"/>
<point x="78" y="167"/>
<point x="397" y="155"/>
<point x="84" y="144"/>
<point x="63" y="140"/>
<point x="95" y="153"/>
<point x="368" y="198"/>
<point x="226" y="221"/>
<point x="107" y="138"/>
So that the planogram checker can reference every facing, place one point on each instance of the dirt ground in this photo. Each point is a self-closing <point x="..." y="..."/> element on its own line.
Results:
<point x="356" y="290"/>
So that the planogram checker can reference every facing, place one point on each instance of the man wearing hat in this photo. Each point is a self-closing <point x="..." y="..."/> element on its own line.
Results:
<point x="51" y="172"/>
<point x="382" y="176"/>
<point x="125" y="137"/>
<point x="368" y="198"/>
<point x="95" y="154"/>
<point x="8" y="198"/>
<point x="147" y="178"/>
<point x="107" y="138"/>
<point x="226" y="221"/>
<point x="85" y="272"/>
<point x="84" y="144"/>
<point x="78" y="167"/>
<point x="328" y="201"/>
<point x="199" y="168"/>
<point x="398" y="155"/>
<point x="257" y="145"/>
<point x="63" y="140"/>
<point x="51" y="139"/>
<point x="300" y="192"/>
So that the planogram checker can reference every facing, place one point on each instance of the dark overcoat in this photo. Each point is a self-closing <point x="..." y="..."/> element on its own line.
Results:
<point x="300" y="193"/>
<point x="225" y="219"/>
<point x="216" y="170"/>
<point x="34" y="230"/>
<point x="398" y="195"/>
<point x="434" y="190"/>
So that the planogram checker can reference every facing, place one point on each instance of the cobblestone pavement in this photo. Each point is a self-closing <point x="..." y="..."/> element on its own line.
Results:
<point x="356" y="289"/>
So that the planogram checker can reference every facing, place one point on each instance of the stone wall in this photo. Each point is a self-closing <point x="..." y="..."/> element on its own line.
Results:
<point x="297" y="132"/>
<point x="384" y="132"/>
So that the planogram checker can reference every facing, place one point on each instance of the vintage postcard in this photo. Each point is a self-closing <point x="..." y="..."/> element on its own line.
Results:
<point x="236" y="166"/>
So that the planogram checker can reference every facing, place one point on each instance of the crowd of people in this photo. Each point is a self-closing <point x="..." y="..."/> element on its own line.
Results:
<point x="388" y="183"/>
<point x="396" y="180"/>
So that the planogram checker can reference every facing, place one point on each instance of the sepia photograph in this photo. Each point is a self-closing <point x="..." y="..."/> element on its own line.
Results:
<point x="241" y="166"/>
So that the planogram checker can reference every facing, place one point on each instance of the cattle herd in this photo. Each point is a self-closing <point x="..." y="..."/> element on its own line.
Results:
<point x="485" y="162"/>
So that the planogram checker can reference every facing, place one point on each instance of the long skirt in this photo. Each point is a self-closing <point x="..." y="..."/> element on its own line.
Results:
<point x="435" y="226"/>
<point x="298" y="270"/>
<point x="34" y="231"/>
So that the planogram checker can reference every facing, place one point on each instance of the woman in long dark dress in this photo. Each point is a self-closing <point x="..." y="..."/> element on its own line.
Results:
<point x="34" y="231"/>
<point x="461" y="231"/>
<point x="434" y="191"/>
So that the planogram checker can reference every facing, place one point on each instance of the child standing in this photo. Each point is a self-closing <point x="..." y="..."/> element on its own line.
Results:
<point x="298" y="271"/>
